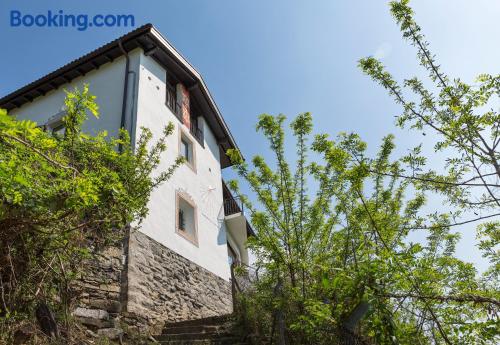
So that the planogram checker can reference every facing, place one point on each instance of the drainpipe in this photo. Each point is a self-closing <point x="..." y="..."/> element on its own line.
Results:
<point x="125" y="94"/>
<point x="125" y="85"/>
<point x="126" y="239"/>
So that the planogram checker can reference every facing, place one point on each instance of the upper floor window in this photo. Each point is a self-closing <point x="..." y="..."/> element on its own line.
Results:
<point x="171" y="95"/>
<point x="187" y="149"/>
<point x="171" y="98"/>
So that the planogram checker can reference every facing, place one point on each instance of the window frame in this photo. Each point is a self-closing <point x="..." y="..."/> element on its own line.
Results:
<point x="57" y="128"/>
<point x="185" y="151"/>
<point x="55" y="124"/>
<point x="185" y="136"/>
<point x="182" y="232"/>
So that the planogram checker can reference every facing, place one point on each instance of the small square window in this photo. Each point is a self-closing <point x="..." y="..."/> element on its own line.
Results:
<point x="55" y="124"/>
<point x="186" y="149"/>
<point x="182" y="220"/>
<point x="186" y="222"/>
<point x="58" y="129"/>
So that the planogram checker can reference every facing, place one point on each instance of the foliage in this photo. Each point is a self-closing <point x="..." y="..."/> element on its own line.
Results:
<point x="330" y="235"/>
<point x="64" y="196"/>
<point x="336" y="231"/>
<point x="467" y="129"/>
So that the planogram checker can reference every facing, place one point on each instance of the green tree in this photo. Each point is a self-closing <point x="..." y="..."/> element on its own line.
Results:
<point x="462" y="118"/>
<point x="332" y="235"/>
<point x="62" y="197"/>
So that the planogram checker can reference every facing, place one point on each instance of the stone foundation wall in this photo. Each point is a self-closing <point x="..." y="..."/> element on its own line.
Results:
<point x="100" y="292"/>
<point x="152" y="286"/>
<point x="164" y="286"/>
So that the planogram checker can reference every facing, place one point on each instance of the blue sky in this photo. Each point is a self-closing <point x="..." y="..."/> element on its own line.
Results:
<point x="280" y="56"/>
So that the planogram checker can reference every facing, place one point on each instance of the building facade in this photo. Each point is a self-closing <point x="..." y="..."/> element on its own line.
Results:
<point x="176" y="265"/>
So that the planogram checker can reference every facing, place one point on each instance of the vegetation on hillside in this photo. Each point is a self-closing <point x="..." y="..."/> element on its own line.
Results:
<point x="333" y="245"/>
<point x="63" y="197"/>
<point x="332" y="236"/>
<point x="334" y="248"/>
<point x="463" y="119"/>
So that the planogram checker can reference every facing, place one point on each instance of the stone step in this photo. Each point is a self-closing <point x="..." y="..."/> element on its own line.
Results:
<point x="201" y="341"/>
<point x="216" y="330"/>
<point x="197" y="329"/>
<point x="194" y="336"/>
<point x="214" y="320"/>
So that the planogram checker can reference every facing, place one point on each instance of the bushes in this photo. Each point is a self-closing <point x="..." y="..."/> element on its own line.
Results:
<point x="332" y="236"/>
<point x="62" y="197"/>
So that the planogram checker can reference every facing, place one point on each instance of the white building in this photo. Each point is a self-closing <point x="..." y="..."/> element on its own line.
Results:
<point x="177" y="265"/>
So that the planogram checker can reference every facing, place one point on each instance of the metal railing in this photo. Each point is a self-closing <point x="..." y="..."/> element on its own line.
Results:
<point x="176" y="108"/>
<point x="232" y="206"/>
<point x="172" y="104"/>
<point x="197" y="133"/>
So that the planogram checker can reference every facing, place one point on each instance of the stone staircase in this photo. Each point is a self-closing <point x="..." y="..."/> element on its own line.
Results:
<point x="218" y="330"/>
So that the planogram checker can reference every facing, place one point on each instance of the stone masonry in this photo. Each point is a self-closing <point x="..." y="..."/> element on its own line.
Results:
<point x="163" y="286"/>
<point x="100" y="292"/>
<point x="153" y="286"/>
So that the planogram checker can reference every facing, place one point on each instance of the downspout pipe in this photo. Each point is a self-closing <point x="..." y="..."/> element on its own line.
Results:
<point x="126" y="239"/>
<point x="125" y="89"/>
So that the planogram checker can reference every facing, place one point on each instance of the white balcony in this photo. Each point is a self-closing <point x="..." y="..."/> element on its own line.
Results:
<point x="237" y="227"/>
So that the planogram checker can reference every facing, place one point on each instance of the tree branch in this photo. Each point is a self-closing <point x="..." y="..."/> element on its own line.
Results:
<point x="451" y="298"/>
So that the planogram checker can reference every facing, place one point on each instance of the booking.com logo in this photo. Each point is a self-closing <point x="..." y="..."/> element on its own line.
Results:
<point x="79" y="21"/>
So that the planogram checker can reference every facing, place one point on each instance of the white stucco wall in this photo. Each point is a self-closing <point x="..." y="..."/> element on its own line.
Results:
<point x="147" y="99"/>
<point x="203" y="185"/>
<point x="106" y="84"/>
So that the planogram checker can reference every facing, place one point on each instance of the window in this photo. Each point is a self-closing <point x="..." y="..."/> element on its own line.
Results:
<point x="57" y="129"/>
<point x="186" y="222"/>
<point x="55" y="124"/>
<point x="195" y="130"/>
<point x="182" y="220"/>
<point x="186" y="149"/>
<point x="171" y="95"/>
<point x="171" y="98"/>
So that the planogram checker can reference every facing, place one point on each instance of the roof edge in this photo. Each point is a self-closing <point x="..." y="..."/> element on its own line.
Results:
<point x="45" y="84"/>
<point x="199" y="79"/>
<point x="60" y="72"/>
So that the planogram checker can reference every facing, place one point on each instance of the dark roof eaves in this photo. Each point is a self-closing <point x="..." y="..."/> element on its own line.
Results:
<point x="72" y="65"/>
<point x="147" y="28"/>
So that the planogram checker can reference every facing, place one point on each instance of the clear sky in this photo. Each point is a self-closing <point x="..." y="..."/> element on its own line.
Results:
<point x="277" y="56"/>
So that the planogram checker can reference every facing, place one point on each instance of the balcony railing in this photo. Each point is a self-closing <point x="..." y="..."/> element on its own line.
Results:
<point x="176" y="108"/>
<point x="233" y="206"/>
<point x="197" y="133"/>
<point x="173" y="105"/>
